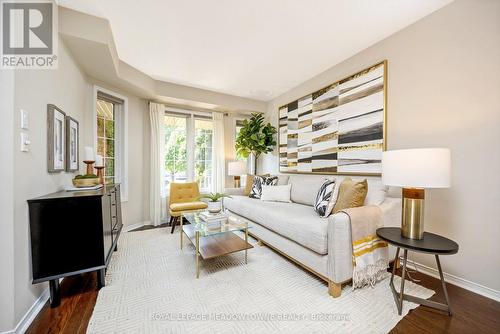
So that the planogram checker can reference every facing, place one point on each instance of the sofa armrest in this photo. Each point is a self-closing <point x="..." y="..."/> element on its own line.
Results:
<point x="234" y="191"/>
<point x="339" y="266"/>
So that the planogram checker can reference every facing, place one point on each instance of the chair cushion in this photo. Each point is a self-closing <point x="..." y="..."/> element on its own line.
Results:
<point x="188" y="206"/>
<point x="294" y="221"/>
<point x="184" y="192"/>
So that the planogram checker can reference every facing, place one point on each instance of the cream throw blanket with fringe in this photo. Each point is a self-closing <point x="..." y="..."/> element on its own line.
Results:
<point x="370" y="254"/>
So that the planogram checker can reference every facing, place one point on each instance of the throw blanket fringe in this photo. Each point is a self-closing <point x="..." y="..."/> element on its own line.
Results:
<point x="369" y="275"/>
<point x="370" y="254"/>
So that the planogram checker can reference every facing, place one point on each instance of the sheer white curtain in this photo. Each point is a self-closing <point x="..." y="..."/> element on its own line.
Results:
<point x="218" y="153"/>
<point x="157" y="193"/>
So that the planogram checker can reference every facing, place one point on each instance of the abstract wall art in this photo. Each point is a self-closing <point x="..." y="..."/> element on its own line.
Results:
<point x="339" y="129"/>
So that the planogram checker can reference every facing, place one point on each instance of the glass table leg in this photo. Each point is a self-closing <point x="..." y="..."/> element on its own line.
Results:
<point x="246" y="241"/>
<point x="181" y="229"/>
<point x="197" y="233"/>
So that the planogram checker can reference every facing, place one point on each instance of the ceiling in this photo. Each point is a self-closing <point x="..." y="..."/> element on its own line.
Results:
<point x="256" y="49"/>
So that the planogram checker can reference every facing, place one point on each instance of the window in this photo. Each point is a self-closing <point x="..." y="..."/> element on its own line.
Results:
<point x="106" y="137"/>
<point x="110" y="136"/>
<point x="238" y="126"/>
<point x="188" y="149"/>
<point x="175" y="149"/>
<point x="203" y="153"/>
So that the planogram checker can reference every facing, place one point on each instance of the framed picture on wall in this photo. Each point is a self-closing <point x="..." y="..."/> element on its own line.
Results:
<point x="339" y="129"/>
<point x="56" y="139"/>
<point x="72" y="144"/>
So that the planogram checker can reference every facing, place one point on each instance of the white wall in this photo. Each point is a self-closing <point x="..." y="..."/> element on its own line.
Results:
<point x="34" y="89"/>
<point x="7" y="201"/>
<point x="443" y="91"/>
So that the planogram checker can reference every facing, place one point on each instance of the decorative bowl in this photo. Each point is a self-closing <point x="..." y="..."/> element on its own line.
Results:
<point x="85" y="183"/>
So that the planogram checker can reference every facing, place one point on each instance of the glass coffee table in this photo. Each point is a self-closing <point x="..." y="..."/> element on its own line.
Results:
<point x="217" y="241"/>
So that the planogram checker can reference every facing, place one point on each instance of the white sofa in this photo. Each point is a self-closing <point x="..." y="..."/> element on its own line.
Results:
<point x="321" y="245"/>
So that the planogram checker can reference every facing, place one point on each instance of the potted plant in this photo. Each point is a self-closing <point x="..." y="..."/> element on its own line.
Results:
<point x="214" y="201"/>
<point x="255" y="138"/>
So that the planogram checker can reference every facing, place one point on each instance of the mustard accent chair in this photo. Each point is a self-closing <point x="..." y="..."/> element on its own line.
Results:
<point x="184" y="197"/>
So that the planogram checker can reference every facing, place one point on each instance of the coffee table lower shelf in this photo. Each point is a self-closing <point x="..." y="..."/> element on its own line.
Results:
<point x="215" y="245"/>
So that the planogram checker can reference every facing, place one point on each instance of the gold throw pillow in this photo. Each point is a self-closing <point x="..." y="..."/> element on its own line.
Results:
<point x="351" y="194"/>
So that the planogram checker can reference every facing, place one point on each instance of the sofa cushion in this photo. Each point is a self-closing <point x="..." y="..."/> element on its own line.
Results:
<point x="283" y="179"/>
<point x="377" y="192"/>
<point x="294" y="221"/>
<point x="305" y="188"/>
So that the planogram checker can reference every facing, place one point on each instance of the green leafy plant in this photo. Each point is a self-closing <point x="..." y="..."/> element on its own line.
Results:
<point x="255" y="138"/>
<point x="215" y="197"/>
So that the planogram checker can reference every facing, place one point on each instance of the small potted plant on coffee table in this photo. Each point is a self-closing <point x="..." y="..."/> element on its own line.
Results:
<point x="214" y="201"/>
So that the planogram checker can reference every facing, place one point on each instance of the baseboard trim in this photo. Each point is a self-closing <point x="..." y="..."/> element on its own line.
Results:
<point x="28" y="318"/>
<point x="131" y="227"/>
<point x="25" y="322"/>
<point x="458" y="281"/>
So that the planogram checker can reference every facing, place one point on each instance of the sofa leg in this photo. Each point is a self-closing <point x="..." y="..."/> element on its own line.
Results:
<point x="334" y="289"/>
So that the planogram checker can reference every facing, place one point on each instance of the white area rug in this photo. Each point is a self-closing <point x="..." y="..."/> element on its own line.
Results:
<point x="151" y="288"/>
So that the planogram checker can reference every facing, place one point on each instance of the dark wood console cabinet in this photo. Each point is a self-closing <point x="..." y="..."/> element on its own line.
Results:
<point x="73" y="233"/>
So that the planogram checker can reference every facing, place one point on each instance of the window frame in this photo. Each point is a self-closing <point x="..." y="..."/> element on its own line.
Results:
<point x="121" y="134"/>
<point x="190" y="116"/>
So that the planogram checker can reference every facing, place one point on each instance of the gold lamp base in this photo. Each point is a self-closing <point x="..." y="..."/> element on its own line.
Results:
<point x="237" y="182"/>
<point x="412" y="222"/>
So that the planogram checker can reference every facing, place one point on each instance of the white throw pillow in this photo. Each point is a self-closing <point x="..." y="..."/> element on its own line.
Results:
<point x="276" y="193"/>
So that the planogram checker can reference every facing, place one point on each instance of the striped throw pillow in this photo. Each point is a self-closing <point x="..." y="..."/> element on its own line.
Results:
<point x="323" y="204"/>
<point x="259" y="181"/>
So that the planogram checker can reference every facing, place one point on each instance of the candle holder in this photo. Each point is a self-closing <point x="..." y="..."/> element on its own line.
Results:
<point x="100" y="174"/>
<point x="89" y="163"/>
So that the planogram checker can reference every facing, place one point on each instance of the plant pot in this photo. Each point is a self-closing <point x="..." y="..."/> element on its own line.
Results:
<point x="214" y="207"/>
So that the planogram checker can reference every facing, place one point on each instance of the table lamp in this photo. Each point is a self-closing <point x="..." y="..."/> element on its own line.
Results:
<point x="236" y="169"/>
<point x="414" y="170"/>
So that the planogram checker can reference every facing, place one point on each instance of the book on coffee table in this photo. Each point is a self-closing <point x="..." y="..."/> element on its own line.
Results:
<point x="209" y="217"/>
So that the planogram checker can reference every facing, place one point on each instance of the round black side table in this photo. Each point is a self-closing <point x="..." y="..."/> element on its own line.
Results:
<point x="430" y="244"/>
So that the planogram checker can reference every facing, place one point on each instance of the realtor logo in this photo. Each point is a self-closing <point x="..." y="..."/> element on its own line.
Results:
<point x="29" y="37"/>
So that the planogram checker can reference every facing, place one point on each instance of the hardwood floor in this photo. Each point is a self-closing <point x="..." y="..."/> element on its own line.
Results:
<point x="472" y="313"/>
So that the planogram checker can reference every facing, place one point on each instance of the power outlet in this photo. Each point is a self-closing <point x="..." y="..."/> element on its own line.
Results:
<point x="25" y="142"/>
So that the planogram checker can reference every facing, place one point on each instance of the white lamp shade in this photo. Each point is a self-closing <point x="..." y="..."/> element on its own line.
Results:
<point x="236" y="168"/>
<point x="417" y="168"/>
